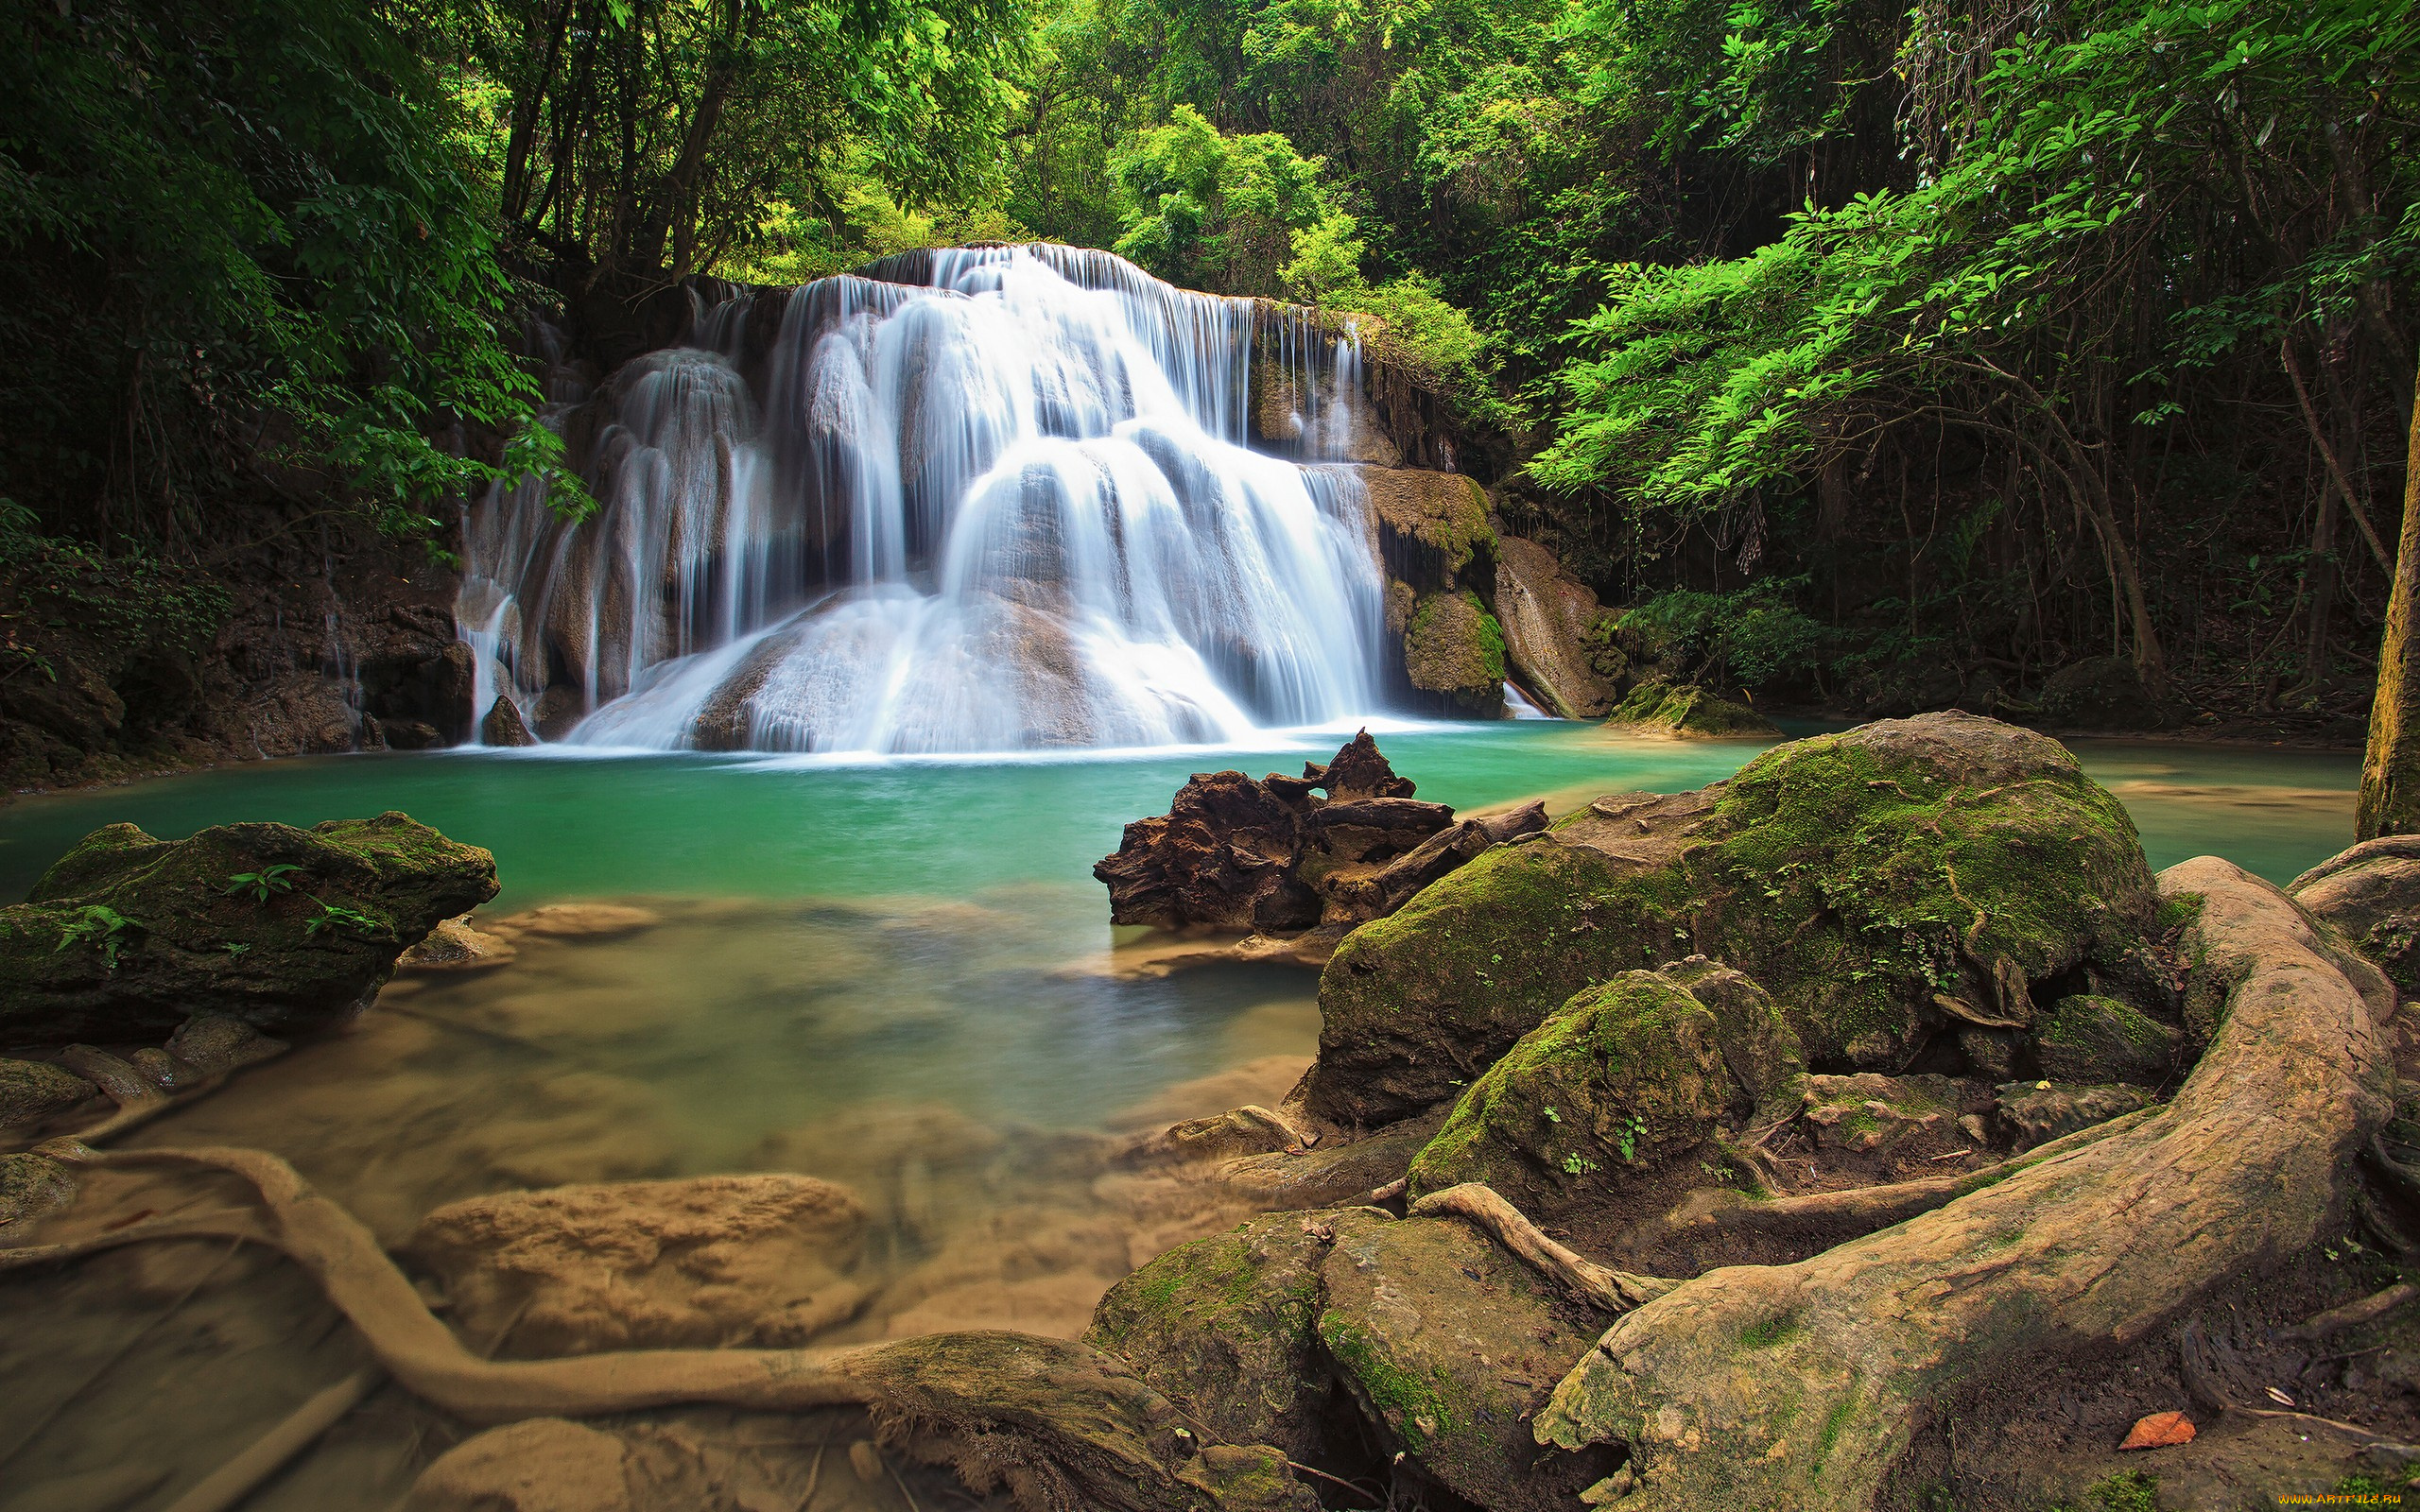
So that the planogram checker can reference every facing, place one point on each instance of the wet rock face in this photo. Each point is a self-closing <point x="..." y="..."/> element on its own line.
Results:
<point x="31" y="1091"/>
<point x="1550" y="619"/>
<point x="703" y="1263"/>
<point x="1275" y="857"/>
<point x="281" y="928"/>
<point x="1891" y="887"/>
<point x="1453" y="653"/>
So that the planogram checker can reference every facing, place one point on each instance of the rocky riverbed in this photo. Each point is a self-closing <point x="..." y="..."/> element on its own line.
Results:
<point x="1728" y="1147"/>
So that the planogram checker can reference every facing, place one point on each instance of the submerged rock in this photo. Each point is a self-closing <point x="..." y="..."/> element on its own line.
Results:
<point x="282" y="928"/>
<point x="457" y="946"/>
<point x="31" y="1091"/>
<point x="1883" y="884"/>
<point x="2372" y="893"/>
<point x="1550" y="619"/>
<point x="577" y="921"/>
<point x="30" y="1186"/>
<point x="1686" y="709"/>
<point x="699" y="1263"/>
<point x="543" y="1465"/>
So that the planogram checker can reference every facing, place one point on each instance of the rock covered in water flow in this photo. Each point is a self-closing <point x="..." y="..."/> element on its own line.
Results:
<point x="699" y="1262"/>
<point x="126" y="936"/>
<point x="1887" y="886"/>
<point x="1276" y="857"/>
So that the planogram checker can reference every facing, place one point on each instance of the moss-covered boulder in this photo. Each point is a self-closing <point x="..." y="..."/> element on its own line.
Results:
<point x="2090" y="1038"/>
<point x="1687" y="709"/>
<point x="1227" y="1328"/>
<point x="127" y="936"/>
<point x="31" y="1186"/>
<point x="1453" y="652"/>
<point x="1449" y="1345"/>
<point x="1624" y="1078"/>
<point x="2372" y="893"/>
<point x="1886" y="884"/>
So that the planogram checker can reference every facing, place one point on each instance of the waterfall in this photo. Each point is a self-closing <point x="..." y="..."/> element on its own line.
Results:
<point x="968" y="500"/>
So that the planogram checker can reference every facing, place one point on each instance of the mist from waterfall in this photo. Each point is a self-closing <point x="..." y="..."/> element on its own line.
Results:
<point x="974" y="500"/>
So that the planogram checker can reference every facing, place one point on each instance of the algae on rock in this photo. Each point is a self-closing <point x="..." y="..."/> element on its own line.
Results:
<point x="1686" y="709"/>
<point x="1884" y="884"/>
<point x="126" y="936"/>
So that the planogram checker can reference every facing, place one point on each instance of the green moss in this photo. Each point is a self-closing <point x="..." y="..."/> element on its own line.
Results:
<point x="2128" y="1491"/>
<point x="2178" y="910"/>
<point x="1634" y="1071"/>
<point x="1415" y="1406"/>
<point x="1454" y="648"/>
<point x="1769" y="1332"/>
<point x="1830" y="1435"/>
<point x="1491" y="636"/>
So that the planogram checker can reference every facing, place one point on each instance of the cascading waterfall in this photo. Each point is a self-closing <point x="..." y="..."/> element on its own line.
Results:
<point x="973" y="500"/>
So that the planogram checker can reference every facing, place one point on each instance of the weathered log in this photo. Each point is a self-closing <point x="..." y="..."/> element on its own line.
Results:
<point x="1801" y="1386"/>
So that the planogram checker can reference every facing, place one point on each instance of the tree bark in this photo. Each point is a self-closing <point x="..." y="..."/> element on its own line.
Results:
<point x="2390" y="801"/>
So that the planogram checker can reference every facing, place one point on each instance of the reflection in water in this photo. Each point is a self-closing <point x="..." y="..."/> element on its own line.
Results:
<point x="893" y="977"/>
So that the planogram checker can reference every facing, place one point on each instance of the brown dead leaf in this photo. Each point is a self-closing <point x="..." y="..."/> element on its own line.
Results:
<point x="2160" y="1430"/>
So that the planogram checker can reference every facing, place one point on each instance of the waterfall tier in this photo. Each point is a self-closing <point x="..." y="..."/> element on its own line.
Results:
<point x="974" y="500"/>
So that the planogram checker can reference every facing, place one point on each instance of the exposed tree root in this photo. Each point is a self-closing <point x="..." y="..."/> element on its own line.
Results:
<point x="1609" y="1291"/>
<point x="2352" y="1315"/>
<point x="1839" y="1215"/>
<point x="1058" y="1423"/>
<point x="1801" y="1386"/>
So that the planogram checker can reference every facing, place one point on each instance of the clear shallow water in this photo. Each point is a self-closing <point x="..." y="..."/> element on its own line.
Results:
<point x="898" y="977"/>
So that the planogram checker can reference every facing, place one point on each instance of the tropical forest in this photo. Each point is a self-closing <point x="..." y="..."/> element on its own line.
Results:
<point x="1209" y="755"/>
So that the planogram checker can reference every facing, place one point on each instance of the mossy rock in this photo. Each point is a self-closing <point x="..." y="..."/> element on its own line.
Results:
<point x="2089" y="1037"/>
<point x="1227" y="1328"/>
<point x="1884" y="883"/>
<point x="1622" y="1079"/>
<point x="125" y="936"/>
<point x="1688" y="710"/>
<point x="1449" y="1345"/>
<point x="1453" y="651"/>
<point x="31" y="1091"/>
<point x="1431" y="525"/>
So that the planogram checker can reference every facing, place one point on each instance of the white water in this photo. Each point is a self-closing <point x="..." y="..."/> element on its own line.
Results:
<point x="986" y="499"/>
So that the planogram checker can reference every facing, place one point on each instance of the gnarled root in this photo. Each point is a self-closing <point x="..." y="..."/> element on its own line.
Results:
<point x="1059" y="1423"/>
<point x="1846" y="1214"/>
<point x="1800" y="1385"/>
<point x="1609" y="1291"/>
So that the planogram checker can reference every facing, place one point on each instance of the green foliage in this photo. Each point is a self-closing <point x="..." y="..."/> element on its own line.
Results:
<point x="262" y="884"/>
<point x="2127" y="1491"/>
<point x="102" y="927"/>
<point x="1748" y="638"/>
<point x="1215" y="212"/>
<point x="245" y="241"/>
<point x="336" y="916"/>
<point x="51" y="586"/>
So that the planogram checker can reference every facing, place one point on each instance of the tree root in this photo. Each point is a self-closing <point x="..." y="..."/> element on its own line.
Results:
<point x="1839" y="1215"/>
<point x="228" y="1485"/>
<point x="2352" y="1315"/>
<point x="1609" y="1291"/>
<point x="1059" y="1424"/>
<point x="1802" y="1385"/>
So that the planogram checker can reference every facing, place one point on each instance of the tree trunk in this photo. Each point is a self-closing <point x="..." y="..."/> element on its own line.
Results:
<point x="2391" y="768"/>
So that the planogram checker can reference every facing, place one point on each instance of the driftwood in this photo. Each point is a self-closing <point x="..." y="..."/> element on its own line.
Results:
<point x="1800" y="1385"/>
<point x="1609" y="1291"/>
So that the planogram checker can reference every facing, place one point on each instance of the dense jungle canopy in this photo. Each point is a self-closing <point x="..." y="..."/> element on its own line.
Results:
<point x="1866" y="350"/>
